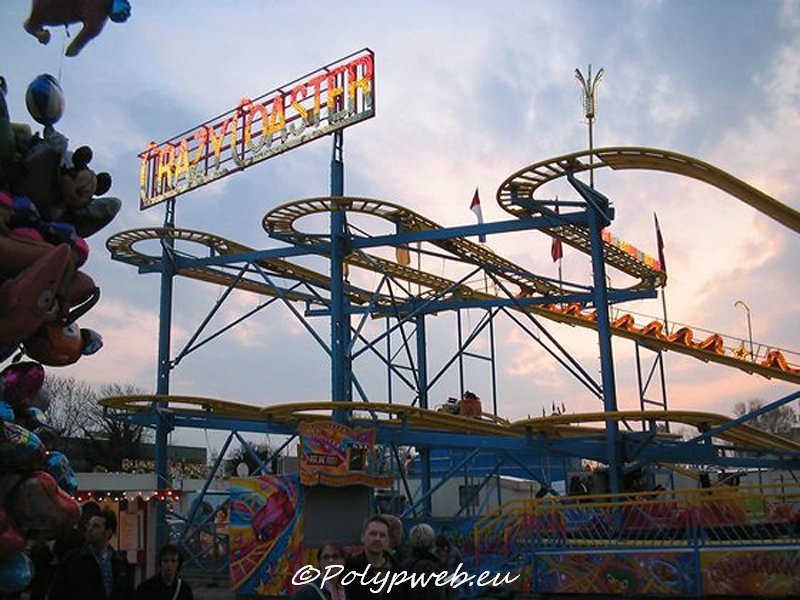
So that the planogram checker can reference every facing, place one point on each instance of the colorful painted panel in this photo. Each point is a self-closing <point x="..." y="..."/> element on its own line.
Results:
<point x="336" y="455"/>
<point x="625" y="574"/>
<point x="266" y="534"/>
<point x="751" y="572"/>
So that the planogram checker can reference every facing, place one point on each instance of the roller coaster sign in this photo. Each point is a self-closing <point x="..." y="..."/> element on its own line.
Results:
<point x="331" y="98"/>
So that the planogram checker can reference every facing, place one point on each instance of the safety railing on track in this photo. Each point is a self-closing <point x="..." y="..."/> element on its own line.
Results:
<point x="747" y="515"/>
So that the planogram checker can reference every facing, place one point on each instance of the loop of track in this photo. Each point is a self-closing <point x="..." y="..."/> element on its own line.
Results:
<point x="525" y="182"/>
<point x="121" y="246"/>
<point x="281" y="221"/>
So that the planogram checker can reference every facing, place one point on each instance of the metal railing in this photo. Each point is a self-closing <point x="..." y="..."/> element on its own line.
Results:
<point x="709" y="517"/>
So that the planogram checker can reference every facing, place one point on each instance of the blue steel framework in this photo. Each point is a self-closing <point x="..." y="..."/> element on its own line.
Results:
<point x="530" y="455"/>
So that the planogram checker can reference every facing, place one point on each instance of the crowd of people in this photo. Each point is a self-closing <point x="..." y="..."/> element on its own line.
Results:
<point x="83" y="565"/>
<point x="384" y="552"/>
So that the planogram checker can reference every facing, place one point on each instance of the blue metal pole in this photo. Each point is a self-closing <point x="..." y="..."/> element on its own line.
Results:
<point x="422" y="387"/>
<point x="164" y="426"/>
<point x="341" y="374"/>
<point x="599" y="217"/>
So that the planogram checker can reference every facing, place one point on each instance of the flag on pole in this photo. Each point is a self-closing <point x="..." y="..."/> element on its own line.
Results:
<point x="556" y="249"/>
<point x="660" y="244"/>
<point x="476" y="208"/>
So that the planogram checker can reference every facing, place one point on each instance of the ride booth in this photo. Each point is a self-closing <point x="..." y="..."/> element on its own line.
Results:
<point x="277" y="522"/>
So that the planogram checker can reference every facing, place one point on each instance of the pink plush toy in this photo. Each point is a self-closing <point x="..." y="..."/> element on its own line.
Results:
<point x="92" y="13"/>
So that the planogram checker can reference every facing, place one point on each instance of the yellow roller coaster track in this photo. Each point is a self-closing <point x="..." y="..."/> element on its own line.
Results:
<point x="372" y="413"/>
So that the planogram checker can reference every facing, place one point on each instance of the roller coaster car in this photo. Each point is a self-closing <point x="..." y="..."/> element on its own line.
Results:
<point x="626" y="321"/>
<point x="776" y="360"/>
<point x="470" y="405"/>
<point x="712" y="343"/>
<point x="653" y="328"/>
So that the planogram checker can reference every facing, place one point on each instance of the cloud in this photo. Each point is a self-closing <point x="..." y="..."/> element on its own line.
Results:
<point x="129" y="352"/>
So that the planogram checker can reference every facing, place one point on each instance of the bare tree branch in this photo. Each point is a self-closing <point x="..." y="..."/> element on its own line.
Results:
<point x="780" y="420"/>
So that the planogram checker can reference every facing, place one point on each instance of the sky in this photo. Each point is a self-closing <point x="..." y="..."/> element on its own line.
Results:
<point x="467" y="93"/>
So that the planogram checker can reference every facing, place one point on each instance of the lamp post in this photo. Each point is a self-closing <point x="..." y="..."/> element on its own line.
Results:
<point x="589" y="88"/>
<point x="749" y="326"/>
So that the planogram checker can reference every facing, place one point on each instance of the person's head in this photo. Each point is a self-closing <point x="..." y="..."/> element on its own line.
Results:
<point x="101" y="528"/>
<point x="395" y="530"/>
<point x="170" y="561"/>
<point x="88" y="510"/>
<point x="329" y="554"/>
<point x="442" y="549"/>
<point x="422" y="537"/>
<point x="375" y="535"/>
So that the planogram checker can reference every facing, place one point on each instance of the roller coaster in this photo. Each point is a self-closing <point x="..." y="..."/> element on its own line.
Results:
<point x="281" y="224"/>
<point x="363" y="279"/>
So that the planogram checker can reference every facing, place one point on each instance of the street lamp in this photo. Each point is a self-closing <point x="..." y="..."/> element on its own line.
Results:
<point x="589" y="88"/>
<point x="749" y="326"/>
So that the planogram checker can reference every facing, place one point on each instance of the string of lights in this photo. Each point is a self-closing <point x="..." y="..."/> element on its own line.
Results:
<point x="118" y="496"/>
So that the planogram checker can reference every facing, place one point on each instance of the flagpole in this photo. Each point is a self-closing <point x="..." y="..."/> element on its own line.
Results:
<point x="589" y="88"/>
<point x="560" y="257"/>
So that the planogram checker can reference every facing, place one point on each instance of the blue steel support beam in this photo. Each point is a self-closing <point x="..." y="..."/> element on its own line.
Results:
<point x="426" y="497"/>
<point x="341" y="388"/>
<point x="467" y="231"/>
<point x="396" y="239"/>
<point x="422" y="391"/>
<point x="163" y="424"/>
<point x="668" y="454"/>
<point x="207" y="483"/>
<point x="526" y="449"/>
<point x="464" y="303"/>
<point x="600" y="216"/>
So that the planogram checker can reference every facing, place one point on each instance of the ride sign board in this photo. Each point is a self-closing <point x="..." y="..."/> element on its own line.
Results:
<point x="331" y="98"/>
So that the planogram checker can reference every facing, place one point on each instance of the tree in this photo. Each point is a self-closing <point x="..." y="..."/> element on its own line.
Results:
<point x="75" y="411"/>
<point x="780" y="420"/>
<point x="241" y="455"/>
<point x="71" y="401"/>
<point x="114" y="439"/>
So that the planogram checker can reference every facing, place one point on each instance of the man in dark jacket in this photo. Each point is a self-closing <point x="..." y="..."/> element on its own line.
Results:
<point x="95" y="571"/>
<point x="375" y="561"/>
<point x="166" y="585"/>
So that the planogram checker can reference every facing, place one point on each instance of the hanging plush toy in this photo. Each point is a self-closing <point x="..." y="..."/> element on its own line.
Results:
<point x="57" y="345"/>
<point x="28" y="300"/>
<point x="92" y="13"/>
<point x="63" y="187"/>
<point x="80" y="186"/>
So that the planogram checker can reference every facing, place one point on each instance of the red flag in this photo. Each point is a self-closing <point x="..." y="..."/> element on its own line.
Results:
<point x="556" y="249"/>
<point x="475" y="207"/>
<point x="660" y="244"/>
